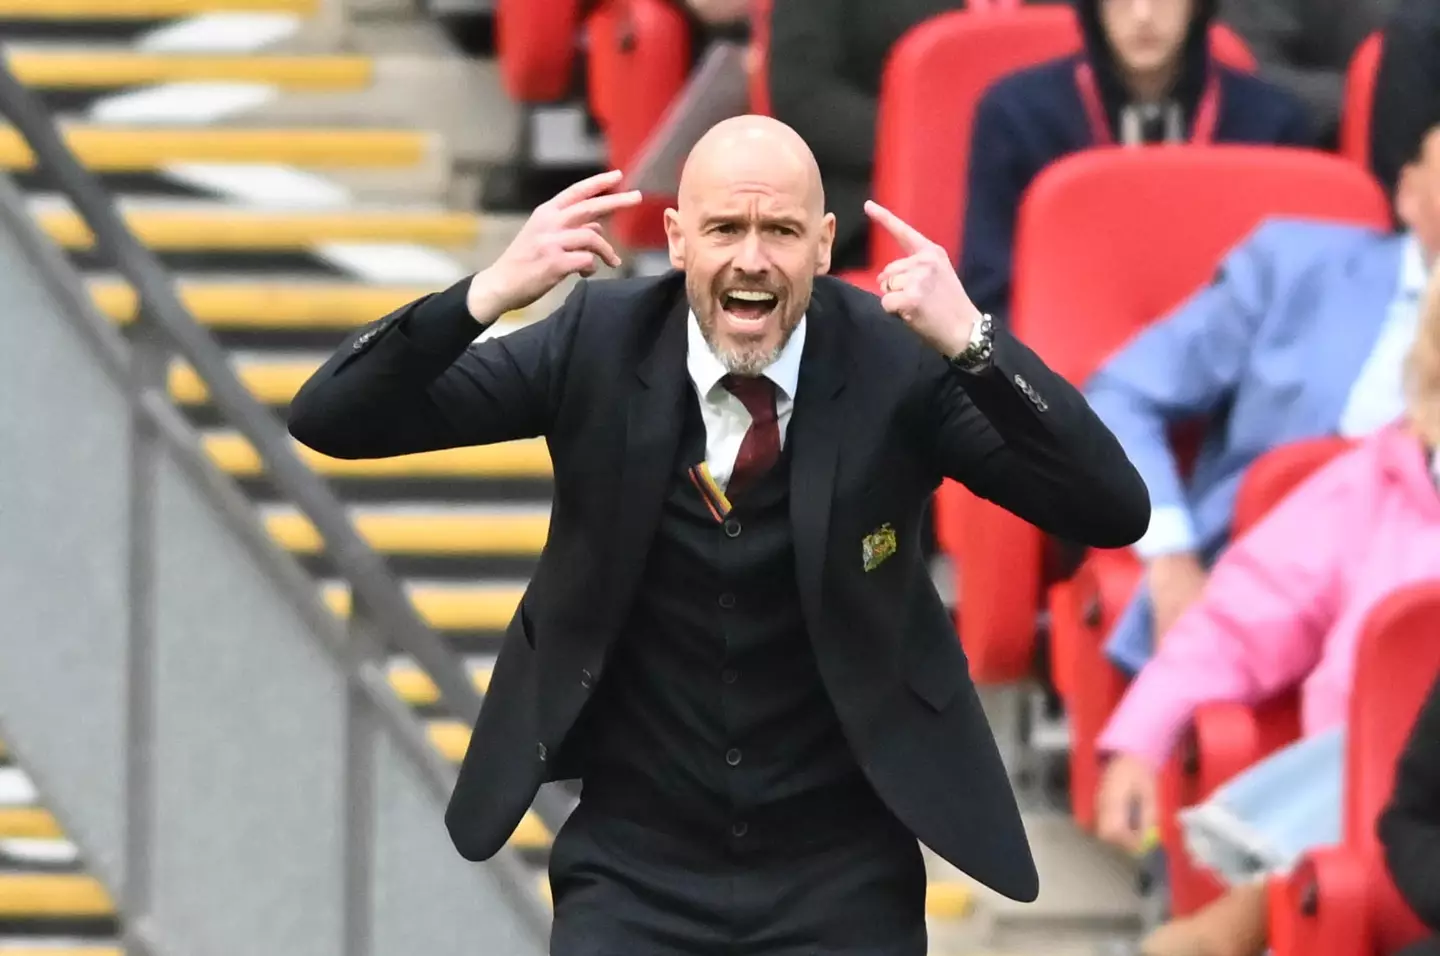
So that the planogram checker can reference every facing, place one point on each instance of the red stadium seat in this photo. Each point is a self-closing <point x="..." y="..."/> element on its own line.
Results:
<point x="1228" y="738"/>
<point x="1360" y="100"/>
<point x="1340" y="901"/>
<point x="1077" y="299"/>
<point x="639" y="58"/>
<point x="535" y="44"/>
<point x="933" y="81"/>
<point x="758" y="61"/>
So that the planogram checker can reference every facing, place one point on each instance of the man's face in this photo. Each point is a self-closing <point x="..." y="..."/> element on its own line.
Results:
<point x="751" y="236"/>
<point x="1146" y="35"/>
<point x="1418" y="197"/>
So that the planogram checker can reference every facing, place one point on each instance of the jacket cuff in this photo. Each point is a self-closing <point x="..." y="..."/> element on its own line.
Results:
<point x="441" y="324"/>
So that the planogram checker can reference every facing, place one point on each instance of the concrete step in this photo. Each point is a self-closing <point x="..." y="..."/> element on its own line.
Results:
<point x="1085" y="888"/>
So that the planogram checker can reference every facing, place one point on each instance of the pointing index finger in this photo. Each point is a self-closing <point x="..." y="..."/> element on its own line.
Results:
<point x="910" y="238"/>
<point x="585" y="188"/>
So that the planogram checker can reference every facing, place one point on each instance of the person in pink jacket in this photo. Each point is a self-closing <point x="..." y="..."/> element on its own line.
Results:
<point x="1284" y="607"/>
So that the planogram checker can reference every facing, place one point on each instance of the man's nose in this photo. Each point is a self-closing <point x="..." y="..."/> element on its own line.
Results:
<point x="751" y="258"/>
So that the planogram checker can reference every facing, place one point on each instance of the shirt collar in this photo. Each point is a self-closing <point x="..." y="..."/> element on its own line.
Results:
<point x="1413" y="275"/>
<point x="706" y="371"/>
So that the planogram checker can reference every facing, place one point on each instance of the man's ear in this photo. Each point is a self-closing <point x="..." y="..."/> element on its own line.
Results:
<point x="675" y="238"/>
<point x="827" y="244"/>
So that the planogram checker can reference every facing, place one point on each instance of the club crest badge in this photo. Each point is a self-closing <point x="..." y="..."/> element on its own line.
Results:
<point x="878" y="546"/>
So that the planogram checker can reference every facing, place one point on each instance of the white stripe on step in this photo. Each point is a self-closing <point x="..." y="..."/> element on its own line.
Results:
<point x="262" y="185"/>
<point x="398" y="263"/>
<point x="221" y="33"/>
<point x="16" y="790"/>
<point x="42" y="852"/>
<point x="196" y="103"/>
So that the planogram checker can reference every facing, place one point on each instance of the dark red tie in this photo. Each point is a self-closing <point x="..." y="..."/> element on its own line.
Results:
<point x="760" y="448"/>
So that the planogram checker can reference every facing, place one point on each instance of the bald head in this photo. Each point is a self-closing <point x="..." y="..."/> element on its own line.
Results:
<point x="755" y="149"/>
<point x="751" y="233"/>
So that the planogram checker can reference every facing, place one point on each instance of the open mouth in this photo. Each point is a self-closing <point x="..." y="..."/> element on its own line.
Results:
<point x="748" y="306"/>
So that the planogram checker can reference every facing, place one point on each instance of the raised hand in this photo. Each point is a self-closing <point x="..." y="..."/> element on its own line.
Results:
<point x="562" y="237"/>
<point x="922" y="288"/>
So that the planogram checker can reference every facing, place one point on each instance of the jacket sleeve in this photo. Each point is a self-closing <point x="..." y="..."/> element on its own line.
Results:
<point x="809" y="87"/>
<point x="1261" y="624"/>
<point x="1022" y="437"/>
<point x="1409" y="828"/>
<point x="998" y="176"/>
<point x="417" y="380"/>
<point x="1181" y="368"/>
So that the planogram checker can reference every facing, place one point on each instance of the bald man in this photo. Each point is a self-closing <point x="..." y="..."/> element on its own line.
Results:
<point x="731" y="637"/>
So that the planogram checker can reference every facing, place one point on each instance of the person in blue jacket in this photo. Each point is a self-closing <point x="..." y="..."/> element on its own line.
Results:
<point x="1145" y="75"/>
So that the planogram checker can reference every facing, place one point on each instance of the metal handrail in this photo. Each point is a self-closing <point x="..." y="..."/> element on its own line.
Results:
<point x="372" y="584"/>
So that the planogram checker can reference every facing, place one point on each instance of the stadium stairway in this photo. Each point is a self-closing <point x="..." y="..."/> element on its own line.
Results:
<point x="268" y="154"/>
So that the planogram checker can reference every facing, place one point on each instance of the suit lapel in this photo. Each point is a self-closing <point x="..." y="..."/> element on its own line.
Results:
<point x="814" y="440"/>
<point x="654" y="415"/>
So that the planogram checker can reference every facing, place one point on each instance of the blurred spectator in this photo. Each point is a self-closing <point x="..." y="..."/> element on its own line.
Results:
<point x="1410" y="826"/>
<point x="1306" y="45"/>
<point x="1407" y="87"/>
<point x="1285" y="607"/>
<point x="1301" y="334"/>
<point x="1146" y="76"/>
<point x="826" y="58"/>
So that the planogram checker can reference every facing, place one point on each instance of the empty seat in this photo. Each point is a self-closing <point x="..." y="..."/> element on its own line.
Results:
<point x="1359" y="102"/>
<point x="535" y="45"/>
<point x="639" y="57"/>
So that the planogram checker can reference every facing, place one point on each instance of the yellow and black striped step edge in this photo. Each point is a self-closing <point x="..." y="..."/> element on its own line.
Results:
<point x="130" y="150"/>
<point x="442" y="532"/>
<point x="145" y="9"/>
<point x="447" y="607"/>
<point x="526" y="458"/>
<point x="248" y="230"/>
<point x="237" y="306"/>
<point x="109" y="69"/>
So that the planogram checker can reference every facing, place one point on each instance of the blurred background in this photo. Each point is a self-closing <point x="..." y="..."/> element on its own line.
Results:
<point x="236" y="677"/>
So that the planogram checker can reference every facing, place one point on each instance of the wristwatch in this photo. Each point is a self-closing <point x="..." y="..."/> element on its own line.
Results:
<point x="975" y="357"/>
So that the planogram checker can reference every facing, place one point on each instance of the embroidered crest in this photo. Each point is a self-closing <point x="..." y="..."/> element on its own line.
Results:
<point x="878" y="546"/>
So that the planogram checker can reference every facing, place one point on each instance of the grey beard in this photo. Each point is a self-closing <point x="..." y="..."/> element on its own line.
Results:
<point x="748" y="363"/>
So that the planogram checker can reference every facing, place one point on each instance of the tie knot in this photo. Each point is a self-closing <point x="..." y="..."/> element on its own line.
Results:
<point x="756" y="393"/>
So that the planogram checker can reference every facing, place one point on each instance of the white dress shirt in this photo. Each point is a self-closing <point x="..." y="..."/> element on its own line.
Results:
<point x="725" y="417"/>
<point x="1377" y="397"/>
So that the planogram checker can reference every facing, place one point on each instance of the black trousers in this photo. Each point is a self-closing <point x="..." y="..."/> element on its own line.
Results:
<point x="625" y="886"/>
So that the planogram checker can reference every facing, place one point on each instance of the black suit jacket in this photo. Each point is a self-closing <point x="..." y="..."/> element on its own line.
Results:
<point x="1409" y="828"/>
<point x="879" y="419"/>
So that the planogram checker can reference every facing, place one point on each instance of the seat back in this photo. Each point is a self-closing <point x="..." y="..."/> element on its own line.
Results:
<point x="535" y="45"/>
<point x="1278" y="472"/>
<point x="639" y="58"/>
<point x="1110" y="239"/>
<point x="934" y="78"/>
<point x="1098" y="257"/>
<point x="1359" y="105"/>
<point x="758" y="62"/>
<point x="1397" y="662"/>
